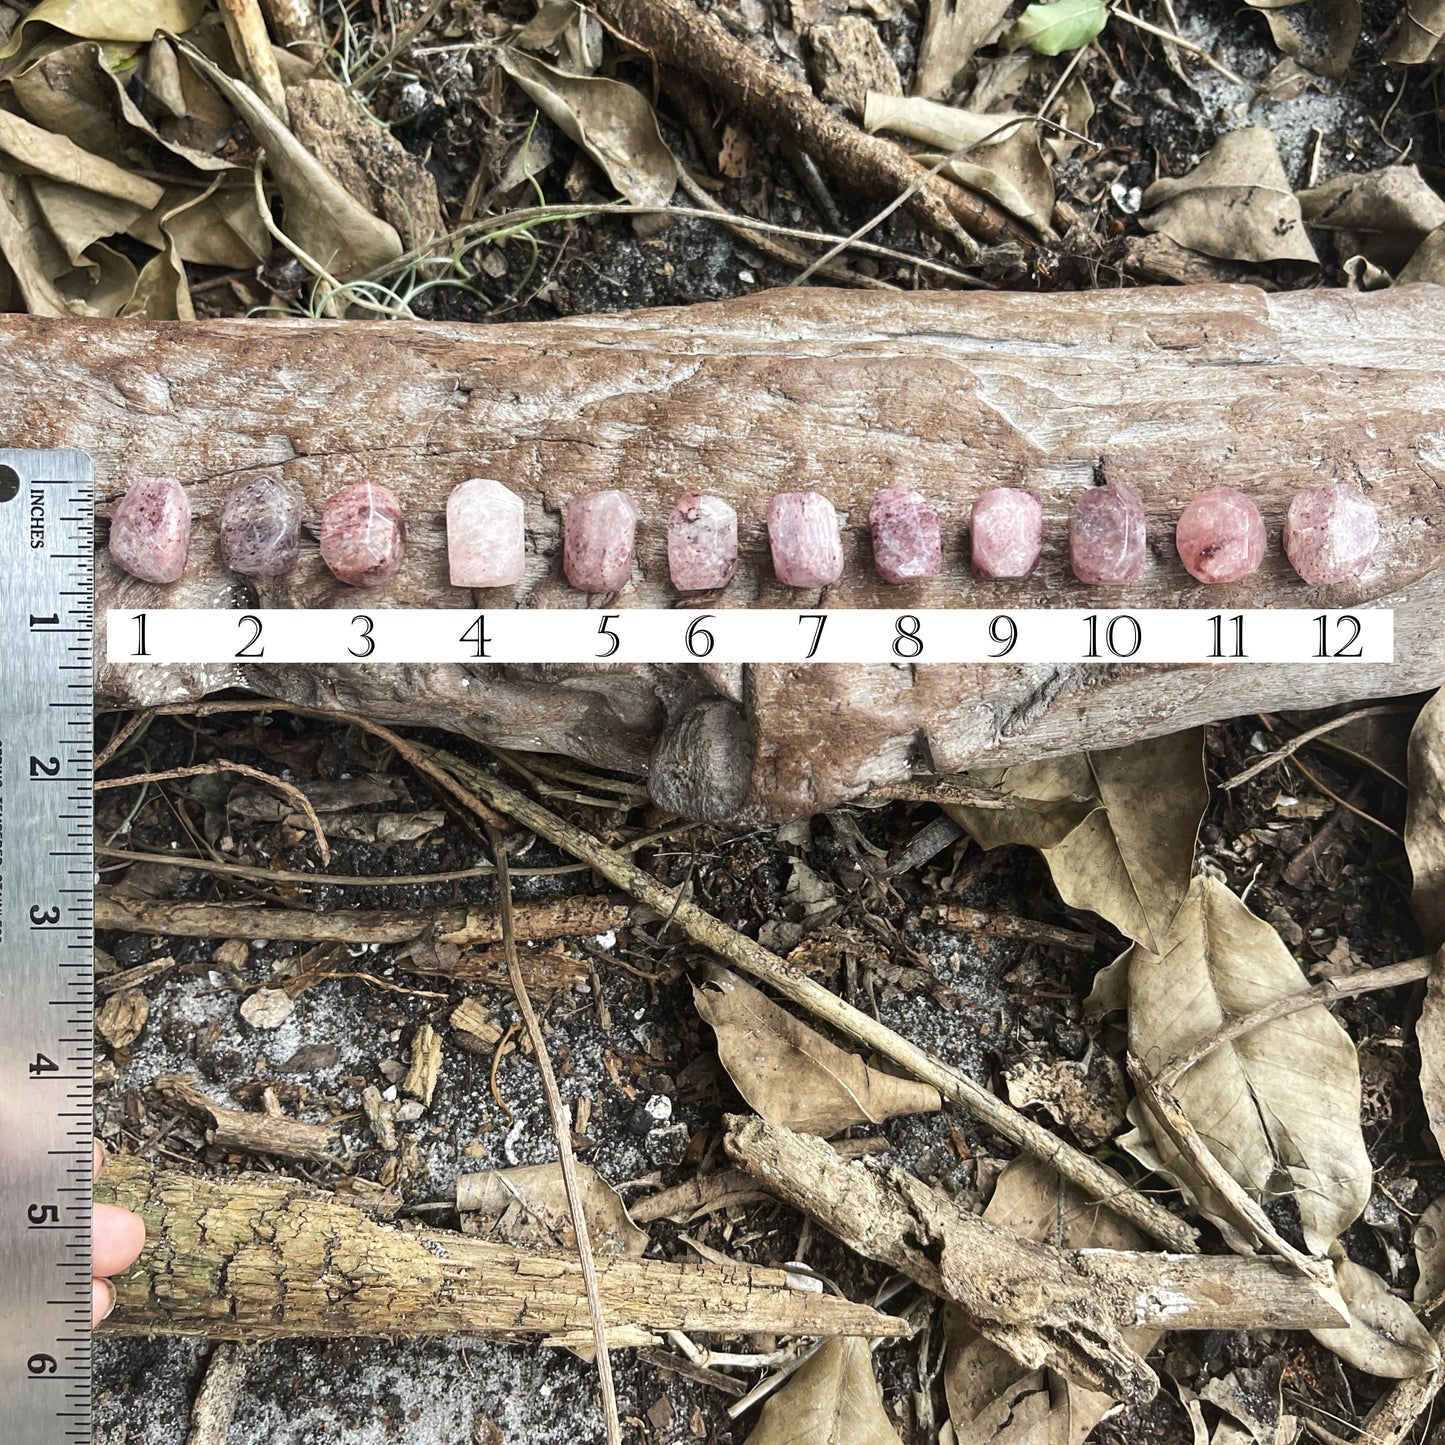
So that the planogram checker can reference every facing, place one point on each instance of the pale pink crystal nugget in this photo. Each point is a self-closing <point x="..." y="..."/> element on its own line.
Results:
<point x="599" y="532"/>
<point x="1220" y="536"/>
<point x="906" y="542"/>
<point x="363" y="534"/>
<point x="150" y="530"/>
<point x="1330" y="533"/>
<point x="1006" y="533"/>
<point x="1106" y="534"/>
<point x="486" y="535"/>
<point x="702" y="543"/>
<point x="806" y="543"/>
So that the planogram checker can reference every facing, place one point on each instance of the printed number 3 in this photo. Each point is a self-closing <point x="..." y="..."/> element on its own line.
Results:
<point x="368" y="643"/>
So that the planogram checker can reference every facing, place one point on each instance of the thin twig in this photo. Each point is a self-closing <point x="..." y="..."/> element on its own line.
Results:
<point x="1308" y="736"/>
<point x="1347" y="985"/>
<point x="1169" y="1113"/>
<point x="1346" y="804"/>
<point x="132" y="724"/>
<point x="1094" y="1178"/>
<point x="206" y="769"/>
<point x="562" y="1129"/>
<point x="402" y="41"/>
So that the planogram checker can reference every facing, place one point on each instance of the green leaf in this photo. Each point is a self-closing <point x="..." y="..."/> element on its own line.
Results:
<point x="1053" y="29"/>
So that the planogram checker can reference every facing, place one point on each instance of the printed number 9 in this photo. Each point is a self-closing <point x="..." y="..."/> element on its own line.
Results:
<point x="1005" y="631"/>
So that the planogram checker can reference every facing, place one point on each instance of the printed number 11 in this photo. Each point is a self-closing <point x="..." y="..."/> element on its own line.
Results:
<point x="1216" y="624"/>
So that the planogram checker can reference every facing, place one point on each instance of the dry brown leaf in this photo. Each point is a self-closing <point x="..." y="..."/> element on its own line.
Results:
<point x="322" y="217"/>
<point x="30" y="250"/>
<point x="1425" y="819"/>
<point x="1421" y="36"/>
<point x="220" y="228"/>
<point x="1298" y="27"/>
<point x="122" y="1016"/>
<point x="1236" y="203"/>
<point x="1430" y="1036"/>
<point x="951" y="34"/>
<point x="77" y="92"/>
<point x="106" y="19"/>
<point x="833" y="1399"/>
<point x="528" y="1207"/>
<point x="1429" y="1243"/>
<point x="1010" y="167"/>
<point x="611" y="121"/>
<point x="61" y="159"/>
<point x="1384" y="1337"/>
<point x="1117" y="826"/>
<point x="1428" y="263"/>
<point x="1280" y="1106"/>
<point x="991" y="1399"/>
<point x="1382" y="215"/>
<point x="790" y="1074"/>
<point x="78" y="218"/>
<point x="1253" y="1398"/>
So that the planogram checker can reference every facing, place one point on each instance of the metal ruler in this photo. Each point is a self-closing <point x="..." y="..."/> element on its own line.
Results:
<point x="47" y="566"/>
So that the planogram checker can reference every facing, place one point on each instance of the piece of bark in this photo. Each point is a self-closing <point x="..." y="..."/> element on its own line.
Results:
<point x="266" y="1134"/>
<point x="1173" y="390"/>
<point x="460" y="927"/>
<point x="247" y="1258"/>
<point x="220" y="1392"/>
<point x="1043" y="1305"/>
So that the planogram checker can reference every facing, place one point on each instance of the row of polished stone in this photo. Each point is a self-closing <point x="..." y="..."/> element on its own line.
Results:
<point x="1330" y="533"/>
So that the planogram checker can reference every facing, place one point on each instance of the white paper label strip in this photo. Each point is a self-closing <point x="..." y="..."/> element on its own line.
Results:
<point x="359" y="634"/>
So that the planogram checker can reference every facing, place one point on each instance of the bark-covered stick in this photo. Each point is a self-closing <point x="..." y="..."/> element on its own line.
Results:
<point x="246" y="1258"/>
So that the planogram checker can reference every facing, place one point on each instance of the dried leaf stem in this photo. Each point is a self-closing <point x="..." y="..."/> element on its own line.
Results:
<point x="1273" y="759"/>
<point x="562" y="1129"/>
<point x="1348" y="985"/>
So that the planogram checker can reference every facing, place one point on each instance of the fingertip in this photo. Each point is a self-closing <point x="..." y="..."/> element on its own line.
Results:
<point x="117" y="1238"/>
<point x="97" y="1157"/>
<point x="102" y="1300"/>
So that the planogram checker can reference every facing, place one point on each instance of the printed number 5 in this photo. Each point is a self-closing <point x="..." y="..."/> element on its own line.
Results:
<point x="603" y="630"/>
<point x="366" y="639"/>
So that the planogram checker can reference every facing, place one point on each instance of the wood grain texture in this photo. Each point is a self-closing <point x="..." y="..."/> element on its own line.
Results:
<point x="1173" y="390"/>
<point x="259" y="1258"/>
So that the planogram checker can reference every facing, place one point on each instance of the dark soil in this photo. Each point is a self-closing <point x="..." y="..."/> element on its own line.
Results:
<point x="1332" y="882"/>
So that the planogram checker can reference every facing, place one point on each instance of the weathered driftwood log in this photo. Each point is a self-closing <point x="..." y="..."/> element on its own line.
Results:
<point x="264" y="1259"/>
<point x="1043" y="1305"/>
<point x="1172" y="390"/>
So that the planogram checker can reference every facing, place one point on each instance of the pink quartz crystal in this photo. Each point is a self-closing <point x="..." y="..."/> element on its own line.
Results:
<point x="1006" y="528"/>
<point x="702" y="543"/>
<point x="807" y="545"/>
<point x="1106" y="534"/>
<point x="1220" y="536"/>
<point x="486" y="538"/>
<point x="363" y="534"/>
<point x="261" y="529"/>
<point x="599" y="529"/>
<point x="906" y="543"/>
<point x="1330" y="533"/>
<point x="150" y="530"/>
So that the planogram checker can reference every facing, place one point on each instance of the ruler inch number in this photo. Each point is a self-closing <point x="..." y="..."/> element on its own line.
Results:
<point x="47" y="566"/>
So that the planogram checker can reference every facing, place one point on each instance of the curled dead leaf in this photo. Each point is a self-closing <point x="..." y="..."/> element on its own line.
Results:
<point x="1117" y="826"/>
<point x="790" y="1074"/>
<point x="105" y="20"/>
<point x="833" y="1399"/>
<point x="610" y="120"/>
<point x="951" y="34"/>
<point x="1002" y="156"/>
<point x="1384" y="1337"/>
<point x="1320" y="35"/>
<point x="1428" y="263"/>
<point x="1280" y="1106"/>
<point x="1425" y="814"/>
<point x="528" y="1207"/>
<point x="1430" y="1036"/>
<point x="1236" y="203"/>
<point x="322" y="217"/>
<point x="1382" y="215"/>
